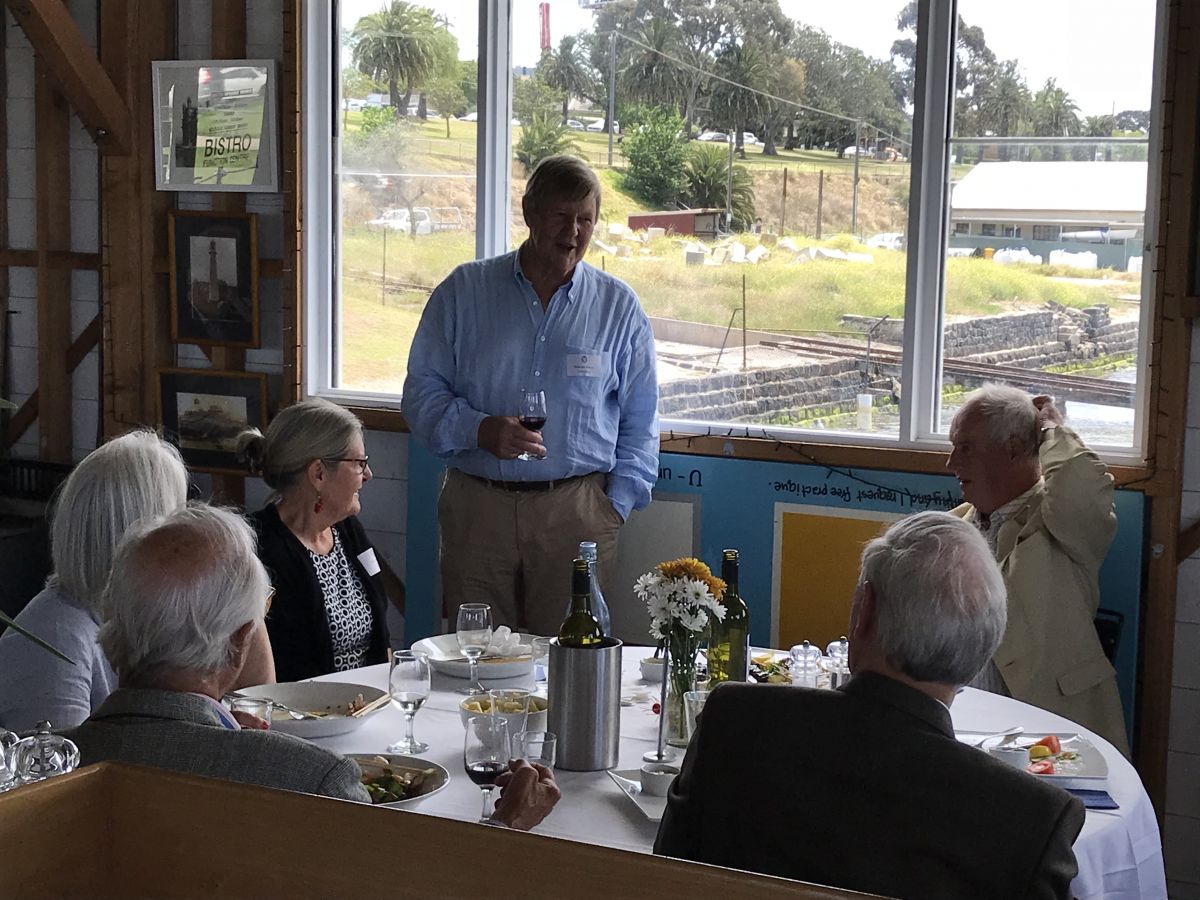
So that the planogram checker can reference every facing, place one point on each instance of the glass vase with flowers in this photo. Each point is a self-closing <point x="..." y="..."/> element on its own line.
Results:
<point x="681" y="596"/>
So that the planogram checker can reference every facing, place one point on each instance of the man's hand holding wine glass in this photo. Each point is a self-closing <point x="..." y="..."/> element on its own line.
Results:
<point x="506" y="438"/>
<point x="527" y="794"/>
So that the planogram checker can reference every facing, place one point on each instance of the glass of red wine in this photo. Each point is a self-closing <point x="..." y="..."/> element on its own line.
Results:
<point x="486" y="751"/>
<point x="532" y="415"/>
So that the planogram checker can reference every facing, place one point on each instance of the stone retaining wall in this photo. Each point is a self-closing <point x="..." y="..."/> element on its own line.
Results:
<point x="1032" y="340"/>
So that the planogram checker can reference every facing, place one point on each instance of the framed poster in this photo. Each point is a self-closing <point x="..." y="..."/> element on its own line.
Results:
<point x="203" y="411"/>
<point x="215" y="125"/>
<point x="214" y="278"/>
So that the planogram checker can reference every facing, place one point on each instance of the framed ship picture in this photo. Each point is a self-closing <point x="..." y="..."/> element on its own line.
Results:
<point x="203" y="411"/>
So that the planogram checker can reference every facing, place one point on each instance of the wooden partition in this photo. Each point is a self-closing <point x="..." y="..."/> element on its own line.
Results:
<point x="126" y="831"/>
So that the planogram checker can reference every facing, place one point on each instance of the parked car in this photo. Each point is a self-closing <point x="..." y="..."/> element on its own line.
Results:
<point x="851" y="151"/>
<point x="888" y="240"/>
<point x="399" y="220"/>
<point x="713" y="136"/>
<point x="222" y="83"/>
<point x="598" y="125"/>
<point x="575" y="125"/>
<point x="354" y="104"/>
<point x="749" y="139"/>
<point x="469" y="117"/>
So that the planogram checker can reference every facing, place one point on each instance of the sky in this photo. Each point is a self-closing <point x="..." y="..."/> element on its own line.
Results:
<point x="1100" y="51"/>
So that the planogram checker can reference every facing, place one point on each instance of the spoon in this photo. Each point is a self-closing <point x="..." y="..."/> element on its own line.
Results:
<point x="1007" y="735"/>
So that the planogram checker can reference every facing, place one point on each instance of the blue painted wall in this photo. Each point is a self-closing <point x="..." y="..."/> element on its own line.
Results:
<point x="737" y="508"/>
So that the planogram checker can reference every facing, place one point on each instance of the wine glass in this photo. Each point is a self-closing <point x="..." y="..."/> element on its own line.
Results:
<point x="532" y="415"/>
<point x="486" y="753"/>
<point x="409" y="683"/>
<point x="474" y="634"/>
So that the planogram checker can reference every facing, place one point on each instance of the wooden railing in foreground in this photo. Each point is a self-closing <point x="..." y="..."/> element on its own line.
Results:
<point x="127" y="831"/>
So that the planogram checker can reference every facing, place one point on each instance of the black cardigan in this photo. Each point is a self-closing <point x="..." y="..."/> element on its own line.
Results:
<point x="297" y="623"/>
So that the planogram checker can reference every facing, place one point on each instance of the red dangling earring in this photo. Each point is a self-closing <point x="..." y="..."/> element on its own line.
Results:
<point x="318" y="506"/>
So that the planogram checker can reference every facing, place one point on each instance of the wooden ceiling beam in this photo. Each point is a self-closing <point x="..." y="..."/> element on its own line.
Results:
<point x="76" y="70"/>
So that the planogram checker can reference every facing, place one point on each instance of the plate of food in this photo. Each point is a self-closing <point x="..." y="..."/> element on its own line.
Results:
<point x="630" y="783"/>
<point x="509" y="655"/>
<point x="313" y="709"/>
<point x="399" y="781"/>
<point x="1053" y="757"/>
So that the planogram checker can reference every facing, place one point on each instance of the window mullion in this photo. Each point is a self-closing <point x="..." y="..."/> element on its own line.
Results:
<point x="322" y="331"/>
<point x="933" y="97"/>
<point x="494" y="139"/>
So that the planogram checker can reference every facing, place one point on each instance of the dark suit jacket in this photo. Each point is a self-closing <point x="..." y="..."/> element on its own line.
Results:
<point x="297" y="624"/>
<point x="181" y="732"/>
<point x="864" y="788"/>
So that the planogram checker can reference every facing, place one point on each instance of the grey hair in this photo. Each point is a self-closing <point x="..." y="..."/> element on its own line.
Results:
<point x="311" y="429"/>
<point x="940" y="602"/>
<point x="561" y="178"/>
<point x="181" y="585"/>
<point x="135" y="476"/>
<point x="1010" y="416"/>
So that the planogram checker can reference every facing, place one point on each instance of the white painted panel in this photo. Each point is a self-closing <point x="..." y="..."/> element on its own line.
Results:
<point x="666" y="529"/>
<point x="1181" y="837"/>
<point x="1187" y="656"/>
<point x="1183" y="783"/>
<point x="22" y="172"/>
<point x="389" y="454"/>
<point x="1185" y="721"/>
<point x="384" y="505"/>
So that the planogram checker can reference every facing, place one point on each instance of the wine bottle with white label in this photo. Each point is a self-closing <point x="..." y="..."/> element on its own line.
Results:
<point x="729" y="638"/>
<point x="580" y="628"/>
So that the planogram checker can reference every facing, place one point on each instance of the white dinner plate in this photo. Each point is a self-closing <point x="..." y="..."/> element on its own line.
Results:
<point x="446" y="657"/>
<point x="330" y="697"/>
<point x="1089" y="764"/>
<point x="373" y="764"/>
<point x="630" y="783"/>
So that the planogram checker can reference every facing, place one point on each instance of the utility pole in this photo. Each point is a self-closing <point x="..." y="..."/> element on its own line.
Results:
<point x="729" y="188"/>
<point x="783" y="202"/>
<point x="612" y="90"/>
<point x="857" y="154"/>
<point x="820" y="199"/>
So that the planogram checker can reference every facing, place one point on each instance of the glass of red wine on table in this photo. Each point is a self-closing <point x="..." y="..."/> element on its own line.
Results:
<point x="532" y="415"/>
<point x="486" y="751"/>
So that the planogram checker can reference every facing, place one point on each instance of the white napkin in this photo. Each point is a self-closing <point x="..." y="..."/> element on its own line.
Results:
<point x="505" y="642"/>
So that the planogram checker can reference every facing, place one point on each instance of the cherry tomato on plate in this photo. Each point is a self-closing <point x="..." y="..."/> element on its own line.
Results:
<point x="1041" y="767"/>
<point x="1051" y="741"/>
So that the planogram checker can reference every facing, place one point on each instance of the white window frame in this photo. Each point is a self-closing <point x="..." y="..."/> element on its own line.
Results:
<point x="928" y="220"/>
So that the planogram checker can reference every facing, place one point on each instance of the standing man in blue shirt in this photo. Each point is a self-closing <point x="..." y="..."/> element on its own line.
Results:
<point x="538" y="318"/>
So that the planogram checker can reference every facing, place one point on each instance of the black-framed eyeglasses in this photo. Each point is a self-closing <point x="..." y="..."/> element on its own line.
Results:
<point x="361" y="462"/>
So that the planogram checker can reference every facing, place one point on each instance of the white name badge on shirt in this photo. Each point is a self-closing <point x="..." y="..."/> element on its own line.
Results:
<point x="368" y="561"/>
<point x="590" y="365"/>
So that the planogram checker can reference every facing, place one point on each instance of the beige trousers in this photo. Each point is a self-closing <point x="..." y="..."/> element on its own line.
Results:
<point x="513" y="550"/>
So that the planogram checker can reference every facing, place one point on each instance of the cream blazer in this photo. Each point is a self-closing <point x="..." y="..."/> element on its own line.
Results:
<point x="1050" y="551"/>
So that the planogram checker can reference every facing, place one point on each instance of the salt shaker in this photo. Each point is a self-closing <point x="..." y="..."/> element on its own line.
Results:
<point x="43" y="755"/>
<point x="806" y="663"/>
<point x="839" y="661"/>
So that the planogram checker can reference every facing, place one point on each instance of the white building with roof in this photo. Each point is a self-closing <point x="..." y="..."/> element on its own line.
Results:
<point x="1051" y="201"/>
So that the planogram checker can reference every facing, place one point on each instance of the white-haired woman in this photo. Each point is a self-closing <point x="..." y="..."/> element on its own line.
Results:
<point x="129" y="478"/>
<point x="330" y="609"/>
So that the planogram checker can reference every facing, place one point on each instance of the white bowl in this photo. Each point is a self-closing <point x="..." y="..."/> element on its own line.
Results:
<point x="374" y="764"/>
<point x="657" y="778"/>
<point x="330" y="697"/>
<point x="1017" y="757"/>
<point x="652" y="668"/>
<point x="446" y="657"/>
<point x="535" y="721"/>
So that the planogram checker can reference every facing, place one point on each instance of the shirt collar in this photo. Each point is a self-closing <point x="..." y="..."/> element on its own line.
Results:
<point x="990" y="524"/>
<point x="574" y="285"/>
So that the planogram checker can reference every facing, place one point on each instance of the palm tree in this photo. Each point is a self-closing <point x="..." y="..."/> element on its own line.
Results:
<point x="566" y="70"/>
<point x="540" y="138"/>
<point x="398" y="45"/>
<point x="735" y="106"/>
<point x="1005" y="107"/>
<point x="706" y="174"/>
<point x="647" y="75"/>
<point x="1054" y="113"/>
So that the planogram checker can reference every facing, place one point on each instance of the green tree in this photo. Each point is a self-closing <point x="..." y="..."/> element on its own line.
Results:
<point x="398" y="45"/>
<point x="785" y="81"/>
<point x="1003" y="104"/>
<point x="566" y="70"/>
<point x="444" y="68"/>
<point x="706" y="177"/>
<point x="656" y="154"/>
<point x="647" y="74"/>
<point x="542" y="136"/>
<point x="446" y="94"/>
<point x="533" y="98"/>
<point x="1054" y="114"/>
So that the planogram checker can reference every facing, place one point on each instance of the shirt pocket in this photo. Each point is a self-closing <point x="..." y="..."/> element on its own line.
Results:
<point x="588" y="372"/>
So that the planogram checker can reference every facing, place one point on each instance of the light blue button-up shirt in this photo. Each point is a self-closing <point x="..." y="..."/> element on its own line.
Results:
<point x="484" y="338"/>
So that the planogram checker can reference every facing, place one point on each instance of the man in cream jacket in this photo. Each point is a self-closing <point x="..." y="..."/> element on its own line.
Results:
<point x="1044" y="502"/>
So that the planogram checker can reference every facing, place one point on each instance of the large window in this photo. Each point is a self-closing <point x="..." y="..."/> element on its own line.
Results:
<point x="838" y="217"/>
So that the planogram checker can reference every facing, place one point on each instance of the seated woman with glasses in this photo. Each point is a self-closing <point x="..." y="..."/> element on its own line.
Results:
<point x="135" y="476"/>
<point x="330" y="608"/>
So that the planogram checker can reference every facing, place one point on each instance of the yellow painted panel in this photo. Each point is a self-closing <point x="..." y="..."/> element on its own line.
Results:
<point x="817" y="572"/>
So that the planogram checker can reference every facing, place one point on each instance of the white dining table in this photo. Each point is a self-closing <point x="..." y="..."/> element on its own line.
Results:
<point x="1119" y="852"/>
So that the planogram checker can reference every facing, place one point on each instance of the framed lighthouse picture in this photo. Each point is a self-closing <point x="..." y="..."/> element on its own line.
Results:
<point x="214" y="279"/>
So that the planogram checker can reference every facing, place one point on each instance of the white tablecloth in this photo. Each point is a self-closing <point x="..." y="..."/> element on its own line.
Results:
<point x="1119" y="852"/>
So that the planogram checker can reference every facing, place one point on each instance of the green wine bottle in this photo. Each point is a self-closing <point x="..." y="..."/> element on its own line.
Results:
<point x="729" y="639"/>
<point x="580" y="628"/>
